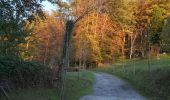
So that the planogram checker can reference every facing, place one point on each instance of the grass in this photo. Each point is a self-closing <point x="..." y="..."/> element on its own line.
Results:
<point x="76" y="87"/>
<point x="153" y="82"/>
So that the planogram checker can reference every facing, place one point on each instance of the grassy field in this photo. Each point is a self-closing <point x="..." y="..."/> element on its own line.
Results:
<point x="76" y="87"/>
<point x="152" y="82"/>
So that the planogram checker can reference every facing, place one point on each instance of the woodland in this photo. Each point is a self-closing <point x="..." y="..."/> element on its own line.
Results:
<point x="38" y="48"/>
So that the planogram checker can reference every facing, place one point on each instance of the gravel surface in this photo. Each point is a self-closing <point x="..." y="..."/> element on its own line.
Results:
<point x="109" y="87"/>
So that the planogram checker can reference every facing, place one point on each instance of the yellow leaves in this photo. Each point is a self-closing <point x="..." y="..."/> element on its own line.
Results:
<point x="47" y="35"/>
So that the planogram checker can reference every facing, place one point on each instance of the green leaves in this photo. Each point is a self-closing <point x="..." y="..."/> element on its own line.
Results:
<point x="13" y="16"/>
<point x="24" y="74"/>
<point x="156" y="24"/>
<point x="165" y="43"/>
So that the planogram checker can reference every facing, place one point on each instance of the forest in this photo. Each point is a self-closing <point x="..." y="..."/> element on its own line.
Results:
<point x="50" y="51"/>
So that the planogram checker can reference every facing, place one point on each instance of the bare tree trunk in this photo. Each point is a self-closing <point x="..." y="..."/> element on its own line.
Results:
<point x="46" y="51"/>
<point x="143" y="53"/>
<point x="132" y="44"/>
<point x="123" y="46"/>
<point x="65" y="57"/>
<point x="84" y="63"/>
<point x="80" y="63"/>
<point x="65" y="51"/>
<point x="131" y="47"/>
<point x="149" y="57"/>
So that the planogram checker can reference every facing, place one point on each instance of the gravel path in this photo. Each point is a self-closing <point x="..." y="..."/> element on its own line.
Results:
<point x="108" y="87"/>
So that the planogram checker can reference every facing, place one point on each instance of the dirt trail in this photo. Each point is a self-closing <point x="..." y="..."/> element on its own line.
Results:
<point x="108" y="87"/>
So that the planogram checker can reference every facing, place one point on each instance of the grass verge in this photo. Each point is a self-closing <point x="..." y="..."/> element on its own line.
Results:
<point x="153" y="82"/>
<point x="77" y="85"/>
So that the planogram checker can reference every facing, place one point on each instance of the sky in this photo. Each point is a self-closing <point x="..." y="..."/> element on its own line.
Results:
<point x="48" y="6"/>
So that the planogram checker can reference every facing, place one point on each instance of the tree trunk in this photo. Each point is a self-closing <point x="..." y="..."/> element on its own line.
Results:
<point x="65" y="51"/>
<point x="155" y="50"/>
<point x="64" y="63"/>
<point x="132" y="45"/>
<point x="131" y="48"/>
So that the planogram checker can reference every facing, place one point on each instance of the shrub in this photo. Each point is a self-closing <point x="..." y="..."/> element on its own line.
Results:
<point x="24" y="74"/>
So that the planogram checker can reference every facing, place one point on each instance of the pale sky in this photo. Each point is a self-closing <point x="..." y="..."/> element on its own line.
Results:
<point x="48" y="6"/>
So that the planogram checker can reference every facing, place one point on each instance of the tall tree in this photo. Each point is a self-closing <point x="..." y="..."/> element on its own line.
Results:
<point x="48" y="35"/>
<point x="165" y="43"/>
<point x="155" y="29"/>
<point x="13" y="14"/>
<point x="122" y="15"/>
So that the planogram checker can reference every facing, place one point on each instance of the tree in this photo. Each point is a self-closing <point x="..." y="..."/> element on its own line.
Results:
<point x="96" y="24"/>
<point x="48" y="35"/>
<point x="165" y="44"/>
<point x="13" y="15"/>
<point x="122" y="15"/>
<point x="155" y="29"/>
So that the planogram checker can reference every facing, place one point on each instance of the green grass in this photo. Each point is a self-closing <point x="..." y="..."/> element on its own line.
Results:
<point x="153" y="82"/>
<point x="76" y="87"/>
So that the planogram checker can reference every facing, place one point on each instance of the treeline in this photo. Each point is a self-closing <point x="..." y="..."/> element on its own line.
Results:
<point x="108" y="30"/>
<point x="119" y="29"/>
<point x="111" y="30"/>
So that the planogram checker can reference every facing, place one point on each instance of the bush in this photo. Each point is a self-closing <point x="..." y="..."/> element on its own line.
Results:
<point x="24" y="74"/>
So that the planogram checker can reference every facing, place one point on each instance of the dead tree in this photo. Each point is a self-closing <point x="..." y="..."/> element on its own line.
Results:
<point x="64" y="63"/>
<point x="65" y="56"/>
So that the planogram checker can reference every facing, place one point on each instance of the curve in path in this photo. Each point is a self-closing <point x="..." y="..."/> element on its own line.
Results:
<point x="108" y="87"/>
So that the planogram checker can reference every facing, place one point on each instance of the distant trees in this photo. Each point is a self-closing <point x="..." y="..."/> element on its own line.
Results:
<point x="122" y="15"/>
<point x="155" y="29"/>
<point x="117" y="29"/>
<point x="48" y="36"/>
<point x="140" y="18"/>
<point x="90" y="35"/>
<point x="165" y="40"/>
